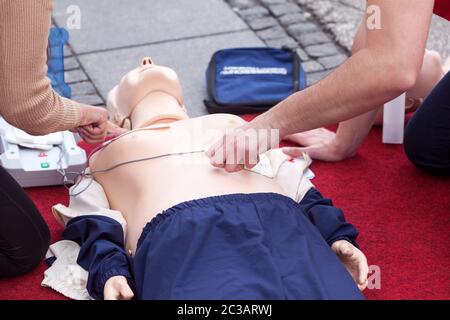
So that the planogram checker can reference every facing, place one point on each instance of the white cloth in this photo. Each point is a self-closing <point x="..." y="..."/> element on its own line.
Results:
<point x="68" y="278"/>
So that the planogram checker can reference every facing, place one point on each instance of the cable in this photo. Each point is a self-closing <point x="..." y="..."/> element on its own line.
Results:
<point x="79" y="176"/>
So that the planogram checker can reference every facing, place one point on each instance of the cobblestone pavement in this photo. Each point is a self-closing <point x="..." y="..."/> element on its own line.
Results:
<point x="341" y="18"/>
<point x="277" y="22"/>
<point x="321" y="31"/>
<point x="83" y="89"/>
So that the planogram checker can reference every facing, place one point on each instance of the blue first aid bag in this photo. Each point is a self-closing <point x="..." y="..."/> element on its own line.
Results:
<point x="252" y="80"/>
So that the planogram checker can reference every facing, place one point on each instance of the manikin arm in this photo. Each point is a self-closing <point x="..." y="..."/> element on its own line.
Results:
<point x="339" y="234"/>
<point x="102" y="251"/>
<point x="329" y="220"/>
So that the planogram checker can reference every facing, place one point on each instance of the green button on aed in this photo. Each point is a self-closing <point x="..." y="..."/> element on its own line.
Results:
<point x="45" y="165"/>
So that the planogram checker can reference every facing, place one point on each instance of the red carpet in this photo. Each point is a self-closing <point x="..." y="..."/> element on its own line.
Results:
<point x="403" y="216"/>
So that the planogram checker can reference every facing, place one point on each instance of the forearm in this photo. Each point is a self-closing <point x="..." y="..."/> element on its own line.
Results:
<point x="384" y="65"/>
<point x="360" y="85"/>
<point x="27" y="100"/>
<point x="351" y="133"/>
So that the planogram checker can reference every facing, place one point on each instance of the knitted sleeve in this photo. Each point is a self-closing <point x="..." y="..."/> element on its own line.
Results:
<point x="27" y="100"/>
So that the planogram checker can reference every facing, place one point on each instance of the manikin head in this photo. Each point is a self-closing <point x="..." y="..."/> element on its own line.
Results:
<point x="147" y="95"/>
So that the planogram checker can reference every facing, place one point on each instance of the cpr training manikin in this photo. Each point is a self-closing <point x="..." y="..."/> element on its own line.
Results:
<point x="152" y="219"/>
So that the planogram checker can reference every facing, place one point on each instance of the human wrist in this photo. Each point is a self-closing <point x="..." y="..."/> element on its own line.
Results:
<point x="342" y="147"/>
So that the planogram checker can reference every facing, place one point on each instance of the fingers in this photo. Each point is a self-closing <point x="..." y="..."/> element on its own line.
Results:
<point x="216" y="153"/>
<point x="293" y="152"/>
<point x="117" y="288"/>
<point x="93" y="123"/>
<point x="93" y="134"/>
<point x="236" y="151"/>
<point x="114" y="130"/>
<point x="346" y="250"/>
<point x="125" y="292"/>
<point x="363" y="271"/>
<point x="87" y="137"/>
<point x="110" y="292"/>
<point x="314" y="152"/>
<point x="225" y="154"/>
<point x="92" y="115"/>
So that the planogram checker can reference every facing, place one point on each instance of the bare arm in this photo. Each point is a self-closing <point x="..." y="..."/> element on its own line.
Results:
<point x="325" y="145"/>
<point x="379" y="72"/>
<point x="385" y="68"/>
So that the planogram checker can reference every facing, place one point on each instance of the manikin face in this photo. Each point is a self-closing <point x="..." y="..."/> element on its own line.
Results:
<point x="146" y="79"/>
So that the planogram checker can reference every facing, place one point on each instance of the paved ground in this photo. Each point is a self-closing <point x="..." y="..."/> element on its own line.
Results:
<point x="341" y="17"/>
<point x="115" y="35"/>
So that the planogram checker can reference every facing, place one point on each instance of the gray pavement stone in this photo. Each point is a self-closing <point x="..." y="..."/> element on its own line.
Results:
<point x="70" y="63"/>
<point x="262" y="23"/>
<point x="188" y="57"/>
<point x="315" y="77"/>
<point x="285" y="42"/>
<point x="253" y="12"/>
<point x="74" y="76"/>
<point x="83" y="88"/>
<point x="242" y="4"/>
<point x="357" y="4"/>
<point x="292" y="18"/>
<point x="276" y="32"/>
<point x="284" y="8"/>
<point x="312" y="66"/>
<point x="342" y="17"/>
<point x="67" y="52"/>
<point x="302" y="54"/>
<point x="313" y="38"/>
<point x="91" y="99"/>
<point x="299" y="29"/>
<point x="333" y="61"/>
<point x="270" y="2"/>
<point x="322" y="50"/>
<point x="107" y="24"/>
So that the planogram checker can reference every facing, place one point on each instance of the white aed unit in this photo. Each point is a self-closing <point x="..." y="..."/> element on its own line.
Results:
<point x="39" y="161"/>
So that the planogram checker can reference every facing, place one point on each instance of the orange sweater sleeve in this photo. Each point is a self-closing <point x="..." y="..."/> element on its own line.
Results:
<point x="27" y="100"/>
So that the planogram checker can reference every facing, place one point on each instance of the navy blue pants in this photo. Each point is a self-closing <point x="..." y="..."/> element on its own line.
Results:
<point x="249" y="247"/>
<point x="427" y="137"/>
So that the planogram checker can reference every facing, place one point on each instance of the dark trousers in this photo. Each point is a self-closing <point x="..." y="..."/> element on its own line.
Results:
<point x="24" y="235"/>
<point x="427" y="137"/>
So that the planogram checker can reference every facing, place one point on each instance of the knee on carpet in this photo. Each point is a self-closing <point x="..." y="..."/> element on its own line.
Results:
<point x="20" y="258"/>
<point x="423" y="156"/>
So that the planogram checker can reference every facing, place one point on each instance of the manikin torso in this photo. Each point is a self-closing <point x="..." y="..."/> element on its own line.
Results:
<point x="150" y="96"/>
<point x="144" y="189"/>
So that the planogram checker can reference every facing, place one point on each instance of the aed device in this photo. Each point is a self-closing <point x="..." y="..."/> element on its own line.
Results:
<point x="45" y="160"/>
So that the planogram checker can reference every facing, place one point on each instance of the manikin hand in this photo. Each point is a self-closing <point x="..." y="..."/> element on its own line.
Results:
<point x="117" y="288"/>
<point x="319" y="144"/>
<point x="354" y="260"/>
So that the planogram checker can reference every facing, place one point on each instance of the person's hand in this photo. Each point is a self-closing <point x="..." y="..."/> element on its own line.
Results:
<point x="354" y="260"/>
<point x="319" y="144"/>
<point x="241" y="147"/>
<point x="117" y="288"/>
<point x="94" y="125"/>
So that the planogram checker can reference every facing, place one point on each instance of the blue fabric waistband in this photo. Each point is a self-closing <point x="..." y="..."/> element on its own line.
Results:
<point x="209" y="201"/>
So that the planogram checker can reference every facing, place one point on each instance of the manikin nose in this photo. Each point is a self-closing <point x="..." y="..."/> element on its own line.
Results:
<point x="146" y="61"/>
